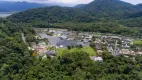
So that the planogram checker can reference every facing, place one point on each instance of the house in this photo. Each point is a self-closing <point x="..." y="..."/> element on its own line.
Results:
<point x="33" y="45"/>
<point x="41" y="48"/>
<point x="139" y="53"/>
<point x="38" y="37"/>
<point x="95" y="58"/>
<point x="89" y="37"/>
<point x="110" y="48"/>
<point x="59" y="46"/>
<point x="115" y="37"/>
<point x="117" y="51"/>
<point x="52" y="31"/>
<point x="127" y="52"/>
<point x="99" y="48"/>
<point x="63" y="37"/>
<point x="51" y="53"/>
<point x="125" y="44"/>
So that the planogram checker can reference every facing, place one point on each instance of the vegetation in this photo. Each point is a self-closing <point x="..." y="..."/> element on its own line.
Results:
<point x="138" y="42"/>
<point x="87" y="50"/>
<point x="109" y="9"/>
<point x="72" y="66"/>
<point x="14" y="54"/>
<point x="54" y="14"/>
<point x="17" y="63"/>
<point x="103" y="27"/>
<point x="118" y="18"/>
<point x="140" y="73"/>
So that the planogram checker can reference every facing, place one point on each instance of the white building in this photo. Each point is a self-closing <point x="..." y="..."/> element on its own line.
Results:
<point x="95" y="58"/>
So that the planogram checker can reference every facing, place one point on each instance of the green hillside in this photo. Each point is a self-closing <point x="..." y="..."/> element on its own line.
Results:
<point x="109" y="8"/>
<point x="98" y="16"/>
<point x="53" y="14"/>
<point x="98" y="10"/>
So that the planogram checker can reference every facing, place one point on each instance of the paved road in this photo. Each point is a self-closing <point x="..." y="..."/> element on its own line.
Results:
<point x="23" y="38"/>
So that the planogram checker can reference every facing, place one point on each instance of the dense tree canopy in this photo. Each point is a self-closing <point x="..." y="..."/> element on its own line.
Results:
<point x="99" y="10"/>
<point x="54" y="14"/>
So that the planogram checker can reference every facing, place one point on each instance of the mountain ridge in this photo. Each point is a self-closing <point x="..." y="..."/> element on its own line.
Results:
<point x="98" y="10"/>
<point x="139" y="6"/>
<point x="109" y="8"/>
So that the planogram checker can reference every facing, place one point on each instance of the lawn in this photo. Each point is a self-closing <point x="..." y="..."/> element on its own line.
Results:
<point x="138" y="42"/>
<point x="87" y="49"/>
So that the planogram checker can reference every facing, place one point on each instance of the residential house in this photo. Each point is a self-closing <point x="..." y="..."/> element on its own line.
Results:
<point x="127" y="52"/>
<point x="99" y="48"/>
<point x="95" y="58"/>
<point x="51" y="53"/>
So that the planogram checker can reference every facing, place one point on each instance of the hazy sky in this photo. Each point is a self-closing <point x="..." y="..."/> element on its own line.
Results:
<point x="72" y="1"/>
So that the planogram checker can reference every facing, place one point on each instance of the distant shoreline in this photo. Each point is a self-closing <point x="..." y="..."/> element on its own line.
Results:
<point x="7" y="12"/>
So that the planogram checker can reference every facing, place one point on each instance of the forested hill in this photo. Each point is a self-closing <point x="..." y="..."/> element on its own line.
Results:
<point x="139" y="6"/>
<point x="97" y="11"/>
<point x="14" y="54"/>
<point x="53" y="14"/>
<point x="109" y="8"/>
<point x="80" y="5"/>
